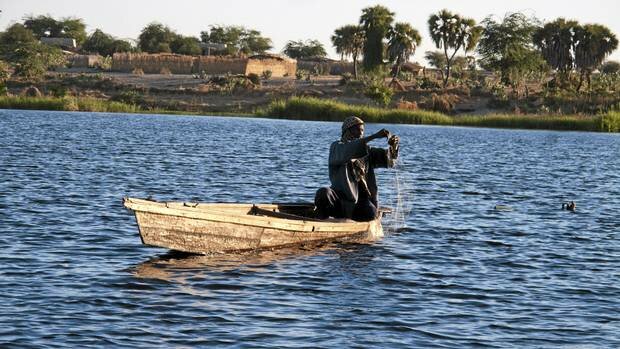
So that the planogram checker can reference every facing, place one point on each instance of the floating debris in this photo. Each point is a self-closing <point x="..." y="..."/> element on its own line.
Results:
<point x="569" y="206"/>
<point x="502" y="208"/>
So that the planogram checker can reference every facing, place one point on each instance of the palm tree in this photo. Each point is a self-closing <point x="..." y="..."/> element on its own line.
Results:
<point x="376" y="22"/>
<point x="403" y="41"/>
<point x="556" y="43"/>
<point x="451" y="31"/>
<point x="349" y="41"/>
<point x="594" y="42"/>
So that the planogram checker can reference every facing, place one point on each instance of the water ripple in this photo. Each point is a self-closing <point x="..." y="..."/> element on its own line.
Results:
<point x="477" y="253"/>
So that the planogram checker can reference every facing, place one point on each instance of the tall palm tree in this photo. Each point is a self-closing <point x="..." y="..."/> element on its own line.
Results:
<point x="376" y="22"/>
<point x="593" y="43"/>
<point x="556" y="43"/>
<point x="349" y="41"/>
<point x="451" y="31"/>
<point x="403" y="41"/>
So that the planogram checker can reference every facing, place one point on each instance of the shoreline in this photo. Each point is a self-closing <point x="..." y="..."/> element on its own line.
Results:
<point x="316" y="109"/>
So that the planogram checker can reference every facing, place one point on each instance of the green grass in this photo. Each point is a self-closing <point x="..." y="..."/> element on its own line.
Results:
<point x="68" y="104"/>
<point x="305" y="108"/>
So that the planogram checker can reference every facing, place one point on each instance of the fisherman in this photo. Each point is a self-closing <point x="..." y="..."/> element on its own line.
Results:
<point x="353" y="191"/>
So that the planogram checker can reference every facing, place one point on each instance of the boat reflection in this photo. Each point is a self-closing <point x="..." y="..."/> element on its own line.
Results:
<point x="174" y="266"/>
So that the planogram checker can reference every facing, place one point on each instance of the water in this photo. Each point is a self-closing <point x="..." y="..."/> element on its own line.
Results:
<point x="451" y="272"/>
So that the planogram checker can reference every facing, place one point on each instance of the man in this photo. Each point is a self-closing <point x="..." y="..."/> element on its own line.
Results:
<point x="353" y="191"/>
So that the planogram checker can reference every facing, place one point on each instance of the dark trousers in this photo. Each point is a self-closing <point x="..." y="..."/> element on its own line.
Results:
<point x="330" y="204"/>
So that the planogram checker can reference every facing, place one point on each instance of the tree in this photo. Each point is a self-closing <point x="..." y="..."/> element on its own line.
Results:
<point x="186" y="45"/>
<point x="16" y="34"/>
<point x="237" y="39"/>
<point x="304" y="49"/>
<point x="32" y="60"/>
<point x="349" y="41"/>
<point x="156" y="38"/>
<point x="593" y="43"/>
<point x="403" y="41"/>
<point x="46" y="26"/>
<point x="43" y="26"/>
<point x="375" y="21"/>
<point x="506" y="47"/>
<point x="120" y="45"/>
<point x="556" y="43"/>
<point x="452" y="32"/>
<point x="567" y="45"/>
<point x="73" y="28"/>
<point x="99" y="42"/>
<point x="252" y="43"/>
<point x="610" y="67"/>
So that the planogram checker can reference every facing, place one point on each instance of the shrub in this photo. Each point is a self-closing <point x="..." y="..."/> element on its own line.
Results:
<point x="345" y="79"/>
<point x="5" y="71"/>
<point x="58" y="90"/>
<point x="105" y="63"/>
<point x="266" y="75"/>
<point x="403" y="104"/>
<point x="610" y="67"/>
<point x="444" y="103"/>
<point x="300" y="74"/>
<point x="129" y="97"/>
<point x="254" y="78"/>
<point x="429" y="84"/>
<point x="376" y="90"/>
<point x="31" y="91"/>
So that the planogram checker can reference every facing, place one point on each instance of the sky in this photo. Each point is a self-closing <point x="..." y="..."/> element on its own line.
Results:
<point x="284" y="20"/>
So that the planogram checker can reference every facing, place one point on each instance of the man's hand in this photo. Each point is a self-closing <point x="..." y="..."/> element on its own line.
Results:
<point x="382" y="133"/>
<point x="393" y="141"/>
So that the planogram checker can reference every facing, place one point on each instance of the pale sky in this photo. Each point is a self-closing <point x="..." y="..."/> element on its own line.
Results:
<point x="284" y="20"/>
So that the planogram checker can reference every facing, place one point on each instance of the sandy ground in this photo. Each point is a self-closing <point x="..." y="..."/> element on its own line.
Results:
<point x="190" y="93"/>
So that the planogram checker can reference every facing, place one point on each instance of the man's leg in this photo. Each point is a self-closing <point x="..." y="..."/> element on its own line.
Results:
<point x="327" y="203"/>
<point x="364" y="210"/>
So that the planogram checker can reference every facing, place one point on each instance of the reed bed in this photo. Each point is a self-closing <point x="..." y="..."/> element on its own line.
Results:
<point x="308" y="108"/>
<point x="68" y="104"/>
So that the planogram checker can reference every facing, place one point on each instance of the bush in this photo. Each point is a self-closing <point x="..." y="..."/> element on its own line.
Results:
<point x="105" y="63"/>
<point x="33" y="60"/>
<point x="429" y="84"/>
<point x="31" y="91"/>
<point x="300" y="74"/>
<point x="345" y="79"/>
<point x="5" y="71"/>
<point x="129" y="97"/>
<point x="403" y="104"/>
<point x="266" y="75"/>
<point x="444" y="103"/>
<point x="376" y="90"/>
<point x="58" y="90"/>
<point x="254" y="78"/>
<point x="610" y="67"/>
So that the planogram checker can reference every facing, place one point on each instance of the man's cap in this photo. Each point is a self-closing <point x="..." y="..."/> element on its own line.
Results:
<point x="350" y="122"/>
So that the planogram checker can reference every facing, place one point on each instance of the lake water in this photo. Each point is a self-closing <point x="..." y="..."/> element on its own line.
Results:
<point x="451" y="272"/>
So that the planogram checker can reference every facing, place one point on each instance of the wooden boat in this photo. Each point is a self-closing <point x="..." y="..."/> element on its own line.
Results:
<point x="224" y="227"/>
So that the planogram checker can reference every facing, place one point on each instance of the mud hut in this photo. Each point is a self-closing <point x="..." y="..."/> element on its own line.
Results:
<point x="211" y="65"/>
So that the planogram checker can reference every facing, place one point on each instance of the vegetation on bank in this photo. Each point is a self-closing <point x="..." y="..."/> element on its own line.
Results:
<point x="308" y="108"/>
<point x="303" y="108"/>
<point x="69" y="104"/>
